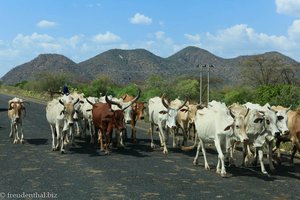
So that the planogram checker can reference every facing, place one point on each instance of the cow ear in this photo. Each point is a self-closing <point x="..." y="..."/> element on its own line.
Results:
<point x="228" y="127"/>
<point x="258" y="120"/>
<point x="163" y="112"/>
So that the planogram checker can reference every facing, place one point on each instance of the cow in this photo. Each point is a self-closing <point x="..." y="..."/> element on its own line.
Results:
<point x="269" y="123"/>
<point x="137" y="113"/>
<point x="293" y="118"/>
<point x="105" y="119"/>
<point x="16" y="112"/>
<point x="161" y="114"/>
<point x="182" y="120"/>
<point x="60" y="114"/>
<point x="192" y="115"/>
<point x="214" y="124"/>
<point x="86" y="110"/>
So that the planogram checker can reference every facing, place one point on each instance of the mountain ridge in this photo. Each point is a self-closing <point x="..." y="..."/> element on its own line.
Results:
<point x="136" y="65"/>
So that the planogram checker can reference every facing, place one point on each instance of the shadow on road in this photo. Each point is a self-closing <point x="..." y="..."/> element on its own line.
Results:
<point x="37" y="141"/>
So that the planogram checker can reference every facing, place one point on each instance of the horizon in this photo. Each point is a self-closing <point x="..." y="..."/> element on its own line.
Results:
<point x="81" y="30"/>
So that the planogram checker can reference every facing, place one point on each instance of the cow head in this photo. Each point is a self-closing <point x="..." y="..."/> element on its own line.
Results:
<point x="270" y="123"/>
<point x="171" y="113"/>
<point x="282" y="120"/>
<point x="239" y="125"/>
<point x="139" y="109"/>
<point x="16" y="106"/>
<point x="68" y="111"/>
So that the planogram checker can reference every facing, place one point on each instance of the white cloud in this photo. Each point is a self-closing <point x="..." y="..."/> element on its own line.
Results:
<point x="288" y="7"/>
<point x="193" y="38"/>
<point x="140" y="19"/>
<point x="106" y="37"/>
<point x="46" y="24"/>
<point x="294" y="31"/>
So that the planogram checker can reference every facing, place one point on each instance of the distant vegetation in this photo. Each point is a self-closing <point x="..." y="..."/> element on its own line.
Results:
<point x="275" y="94"/>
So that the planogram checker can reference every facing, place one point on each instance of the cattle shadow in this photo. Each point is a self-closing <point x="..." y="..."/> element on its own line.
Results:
<point x="84" y="147"/>
<point x="284" y="170"/>
<point x="3" y="109"/>
<point x="37" y="141"/>
<point x="140" y="148"/>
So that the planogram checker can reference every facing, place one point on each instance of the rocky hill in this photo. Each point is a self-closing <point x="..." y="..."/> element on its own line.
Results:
<point x="124" y="66"/>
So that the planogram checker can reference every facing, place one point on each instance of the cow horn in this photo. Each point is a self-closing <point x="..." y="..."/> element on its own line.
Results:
<point x="89" y="101"/>
<point x="231" y="113"/>
<point x="112" y="102"/>
<point x="247" y="112"/>
<point x="124" y="97"/>
<point x="163" y="101"/>
<point x="186" y="100"/>
<point x="137" y="97"/>
<point x="61" y="102"/>
<point x="76" y="101"/>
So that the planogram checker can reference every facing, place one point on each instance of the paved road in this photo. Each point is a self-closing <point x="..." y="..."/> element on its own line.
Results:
<point x="136" y="172"/>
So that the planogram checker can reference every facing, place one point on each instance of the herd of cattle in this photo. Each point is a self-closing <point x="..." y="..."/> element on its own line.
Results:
<point x="256" y="127"/>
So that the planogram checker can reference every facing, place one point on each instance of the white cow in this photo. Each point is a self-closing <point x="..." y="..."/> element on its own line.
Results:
<point x="269" y="121"/>
<point x="182" y="120"/>
<point x="16" y="115"/>
<point x="86" y="109"/>
<point x="163" y="116"/>
<point x="213" y="125"/>
<point x="60" y="115"/>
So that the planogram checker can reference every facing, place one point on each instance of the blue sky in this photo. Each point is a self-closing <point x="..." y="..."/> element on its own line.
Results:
<point x="81" y="29"/>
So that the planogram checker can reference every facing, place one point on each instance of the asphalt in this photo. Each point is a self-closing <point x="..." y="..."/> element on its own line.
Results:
<point x="133" y="172"/>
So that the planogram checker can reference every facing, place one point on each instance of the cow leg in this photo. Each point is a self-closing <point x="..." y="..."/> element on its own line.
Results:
<point x="151" y="135"/>
<point x="294" y="150"/>
<point x="195" y="162"/>
<point x="11" y="130"/>
<point x="107" y="142"/>
<point x="22" y="134"/>
<point x="206" y="166"/>
<point x="133" y="131"/>
<point x="58" y="136"/>
<point x="221" y="165"/>
<point x="174" y="133"/>
<point x="53" y="137"/>
<point x="92" y="131"/>
<point x="272" y="168"/>
<point x="260" y="157"/>
<point x="15" y="134"/>
<point x="62" y="138"/>
<point x="100" y="137"/>
<point x="162" y="138"/>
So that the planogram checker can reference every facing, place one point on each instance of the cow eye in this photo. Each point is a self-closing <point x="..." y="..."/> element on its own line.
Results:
<point x="268" y="122"/>
<point x="280" y="118"/>
<point x="237" y="126"/>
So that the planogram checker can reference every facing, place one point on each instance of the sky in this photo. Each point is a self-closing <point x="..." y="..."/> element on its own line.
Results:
<point x="82" y="29"/>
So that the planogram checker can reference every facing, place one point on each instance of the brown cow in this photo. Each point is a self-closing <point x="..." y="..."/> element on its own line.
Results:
<point x="294" y="134"/>
<point x="137" y="113"/>
<point x="15" y="110"/>
<point x="105" y="119"/>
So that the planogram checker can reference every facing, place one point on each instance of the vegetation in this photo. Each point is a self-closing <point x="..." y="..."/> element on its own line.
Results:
<point x="181" y="87"/>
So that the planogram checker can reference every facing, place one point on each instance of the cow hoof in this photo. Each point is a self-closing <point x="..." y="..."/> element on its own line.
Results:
<point x="195" y="162"/>
<point x="224" y="174"/>
<point x="22" y="141"/>
<point x="15" y="141"/>
<point x="152" y="145"/>
<point x="62" y="151"/>
<point x="165" y="152"/>
<point x="106" y="152"/>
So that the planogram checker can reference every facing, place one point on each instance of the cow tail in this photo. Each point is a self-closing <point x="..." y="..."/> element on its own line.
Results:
<point x="191" y="147"/>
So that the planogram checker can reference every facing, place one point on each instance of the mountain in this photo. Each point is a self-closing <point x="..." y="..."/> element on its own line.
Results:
<point x="124" y="66"/>
<point x="44" y="62"/>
